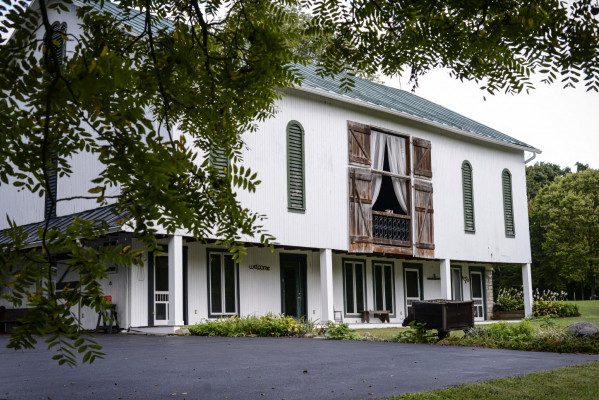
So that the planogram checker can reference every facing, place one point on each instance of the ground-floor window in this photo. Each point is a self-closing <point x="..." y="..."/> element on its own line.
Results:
<point x="413" y="285"/>
<point x="222" y="284"/>
<point x="354" y="286"/>
<point x="384" y="292"/>
<point x="456" y="284"/>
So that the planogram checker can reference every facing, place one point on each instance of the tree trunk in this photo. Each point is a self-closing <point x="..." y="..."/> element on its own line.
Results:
<point x="581" y="290"/>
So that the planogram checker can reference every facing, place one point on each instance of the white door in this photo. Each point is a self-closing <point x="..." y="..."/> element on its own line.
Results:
<point x="161" y="290"/>
<point x="412" y="285"/>
<point x="478" y="291"/>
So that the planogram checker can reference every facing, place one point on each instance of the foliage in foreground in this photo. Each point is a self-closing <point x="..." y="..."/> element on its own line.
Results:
<point x="524" y="336"/>
<point x="266" y="325"/>
<point x="577" y="382"/>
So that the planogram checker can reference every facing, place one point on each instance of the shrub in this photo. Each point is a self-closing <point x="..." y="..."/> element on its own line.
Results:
<point x="559" y="308"/>
<point x="340" y="332"/>
<point x="418" y="333"/>
<point x="509" y="300"/>
<point x="266" y="325"/>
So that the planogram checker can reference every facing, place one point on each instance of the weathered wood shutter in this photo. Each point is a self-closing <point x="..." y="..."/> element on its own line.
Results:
<point x="360" y="210"/>
<point x="424" y="232"/>
<point x="359" y="144"/>
<point x="508" y="207"/>
<point x="424" y="222"/>
<point x="467" y="192"/>
<point x="360" y="189"/>
<point x="296" y="196"/>
<point x="422" y="158"/>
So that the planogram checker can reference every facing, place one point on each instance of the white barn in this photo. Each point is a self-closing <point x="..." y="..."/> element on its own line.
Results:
<point x="376" y="198"/>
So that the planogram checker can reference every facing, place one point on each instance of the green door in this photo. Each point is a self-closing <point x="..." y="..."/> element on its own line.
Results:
<point x="293" y="285"/>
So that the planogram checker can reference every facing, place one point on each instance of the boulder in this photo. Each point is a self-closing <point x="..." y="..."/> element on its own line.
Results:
<point x="182" y="332"/>
<point x="583" y="329"/>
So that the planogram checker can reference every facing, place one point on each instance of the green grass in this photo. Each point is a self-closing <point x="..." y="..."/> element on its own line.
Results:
<point x="579" y="382"/>
<point x="589" y="312"/>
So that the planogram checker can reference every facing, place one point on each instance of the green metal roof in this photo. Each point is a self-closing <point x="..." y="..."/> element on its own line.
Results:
<point x="404" y="102"/>
<point x="366" y="91"/>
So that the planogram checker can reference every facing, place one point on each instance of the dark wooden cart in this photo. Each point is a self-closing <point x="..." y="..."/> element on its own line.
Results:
<point x="443" y="315"/>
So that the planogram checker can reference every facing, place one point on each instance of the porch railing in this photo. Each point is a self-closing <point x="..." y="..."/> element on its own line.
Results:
<point x="392" y="229"/>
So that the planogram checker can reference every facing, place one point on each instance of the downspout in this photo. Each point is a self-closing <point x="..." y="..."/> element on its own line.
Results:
<point x="534" y="155"/>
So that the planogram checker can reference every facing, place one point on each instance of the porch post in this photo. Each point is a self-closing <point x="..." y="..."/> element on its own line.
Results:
<point x="527" y="290"/>
<point x="326" y="284"/>
<point x="175" y="280"/>
<point x="445" y="279"/>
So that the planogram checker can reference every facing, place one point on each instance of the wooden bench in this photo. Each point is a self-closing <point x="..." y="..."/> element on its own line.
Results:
<point x="382" y="314"/>
<point x="10" y="317"/>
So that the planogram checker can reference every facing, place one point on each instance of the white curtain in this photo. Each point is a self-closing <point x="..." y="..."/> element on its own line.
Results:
<point x="377" y="148"/>
<point x="396" y="152"/>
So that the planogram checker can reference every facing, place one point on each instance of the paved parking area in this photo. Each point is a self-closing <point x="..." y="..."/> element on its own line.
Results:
<point x="152" y="367"/>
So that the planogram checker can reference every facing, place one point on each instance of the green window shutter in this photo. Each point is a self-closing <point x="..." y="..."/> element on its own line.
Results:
<point x="296" y="196"/>
<point x="219" y="160"/>
<point x="508" y="207"/>
<point x="467" y="191"/>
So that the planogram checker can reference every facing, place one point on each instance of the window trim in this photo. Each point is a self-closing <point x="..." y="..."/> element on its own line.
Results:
<point x="467" y="169"/>
<point x="290" y="206"/>
<point x="459" y="269"/>
<point x="237" y="306"/>
<point x="506" y="176"/>
<point x="392" y="266"/>
<point x="419" y="268"/>
<point x="354" y="261"/>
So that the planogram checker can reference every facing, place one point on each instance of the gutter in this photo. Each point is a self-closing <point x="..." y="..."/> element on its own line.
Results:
<point x="346" y="99"/>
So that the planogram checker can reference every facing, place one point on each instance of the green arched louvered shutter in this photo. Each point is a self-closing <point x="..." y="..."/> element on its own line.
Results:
<point x="508" y="207"/>
<point x="296" y="196"/>
<point x="219" y="160"/>
<point x="467" y="191"/>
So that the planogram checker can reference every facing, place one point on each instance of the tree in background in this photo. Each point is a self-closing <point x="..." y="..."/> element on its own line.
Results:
<point x="566" y="220"/>
<point x="208" y="71"/>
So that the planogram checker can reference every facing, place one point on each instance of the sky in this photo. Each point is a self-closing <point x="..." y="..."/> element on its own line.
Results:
<point x="562" y="123"/>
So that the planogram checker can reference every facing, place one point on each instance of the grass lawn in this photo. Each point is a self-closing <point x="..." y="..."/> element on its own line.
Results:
<point x="579" y="382"/>
<point x="589" y="312"/>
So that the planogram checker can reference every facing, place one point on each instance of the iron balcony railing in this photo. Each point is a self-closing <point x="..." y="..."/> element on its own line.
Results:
<point x="393" y="229"/>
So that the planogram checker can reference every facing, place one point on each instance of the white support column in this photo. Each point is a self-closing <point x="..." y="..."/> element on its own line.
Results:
<point x="326" y="284"/>
<point x="445" y="279"/>
<point x="175" y="280"/>
<point x="527" y="290"/>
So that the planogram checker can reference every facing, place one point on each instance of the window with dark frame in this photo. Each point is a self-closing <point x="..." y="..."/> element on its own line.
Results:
<point x="384" y="288"/>
<point x="223" y="276"/>
<point x="354" y="285"/>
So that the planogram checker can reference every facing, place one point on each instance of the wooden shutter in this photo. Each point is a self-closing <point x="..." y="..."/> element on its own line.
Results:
<point x="359" y="143"/>
<point x="508" y="208"/>
<point x="296" y="198"/>
<point x="424" y="226"/>
<point x="360" y="210"/>
<point x="422" y="158"/>
<point x="467" y="190"/>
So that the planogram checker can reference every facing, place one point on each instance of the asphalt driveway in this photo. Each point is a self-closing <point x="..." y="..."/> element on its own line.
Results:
<point x="152" y="367"/>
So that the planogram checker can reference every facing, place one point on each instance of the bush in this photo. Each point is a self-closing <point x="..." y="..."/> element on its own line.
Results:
<point x="559" y="308"/>
<point x="340" y="332"/>
<point x="266" y="325"/>
<point x="509" y="300"/>
<point x="523" y="336"/>
<point x="418" y="333"/>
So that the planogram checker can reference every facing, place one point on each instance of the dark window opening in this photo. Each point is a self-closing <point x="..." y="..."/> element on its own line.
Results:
<point x="387" y="200"/>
